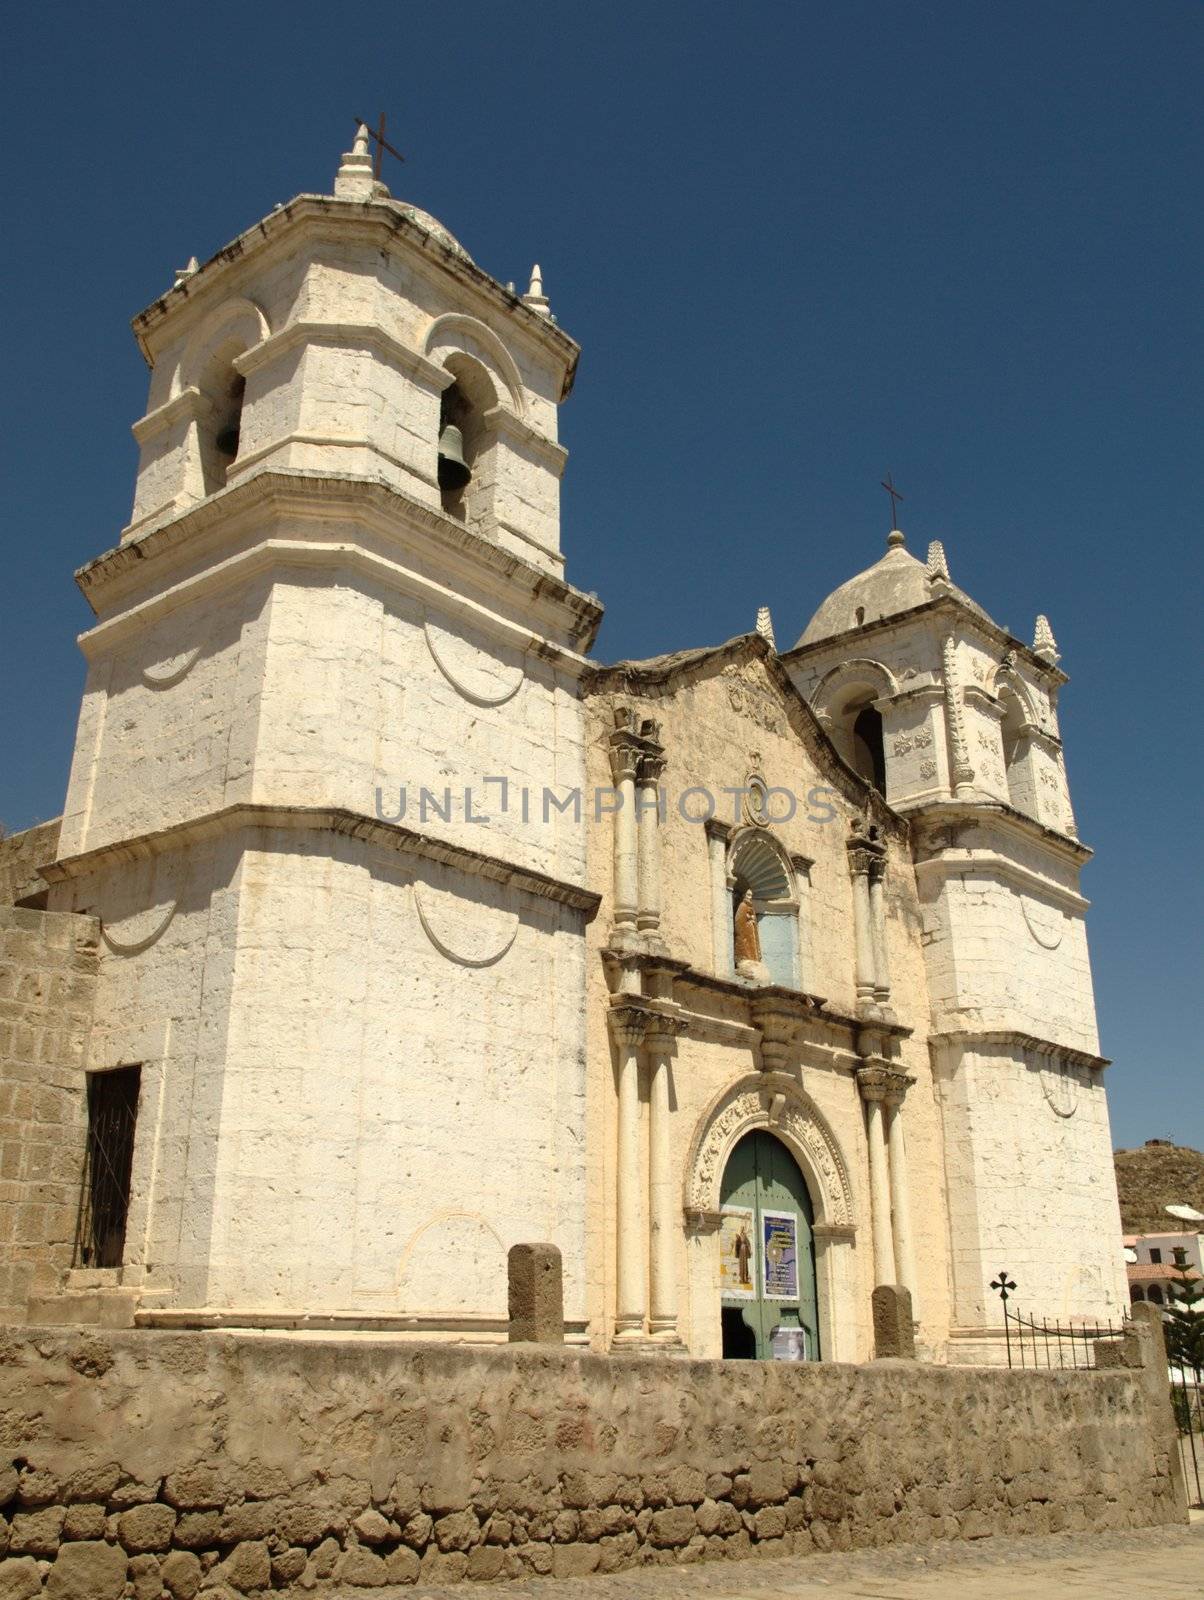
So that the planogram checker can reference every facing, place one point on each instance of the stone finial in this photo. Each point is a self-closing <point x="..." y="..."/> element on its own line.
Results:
<point x="193" y="267"/>
<point x="535" y="297"/>
<point x="895" y="539"/>
<point x="938" y="567"/>
<point x="536" y="1294"/>
<point x="1044" y="643"/>
<point x="354" y="180"/>
<point x="765" y="626"/>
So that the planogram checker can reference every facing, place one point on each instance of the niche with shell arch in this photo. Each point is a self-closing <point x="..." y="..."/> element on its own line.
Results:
<point x="757" y="865"/>
<point x="844" y="704"/>
<point x="208" y="366"/>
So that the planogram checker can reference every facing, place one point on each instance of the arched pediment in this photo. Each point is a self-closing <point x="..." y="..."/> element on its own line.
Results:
<point x="783" y="1109"/>
<point x="235" y="322"/>
<point x="845" y="678"/>
<point x="456" y="333"/>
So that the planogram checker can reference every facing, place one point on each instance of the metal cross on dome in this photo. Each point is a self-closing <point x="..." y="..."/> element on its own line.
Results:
<point x="888" y="483"/>
<point x="1003" y="1285"/>
<point x="382" y="144"/>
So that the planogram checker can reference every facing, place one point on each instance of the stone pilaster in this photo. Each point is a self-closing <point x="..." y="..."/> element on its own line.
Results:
<point x="624" y="763"/>
<point x="627" y="1024"/>
<point x="664" y="1211"/>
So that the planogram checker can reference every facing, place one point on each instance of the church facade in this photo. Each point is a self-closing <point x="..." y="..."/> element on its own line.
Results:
<point x="750" y="977"/>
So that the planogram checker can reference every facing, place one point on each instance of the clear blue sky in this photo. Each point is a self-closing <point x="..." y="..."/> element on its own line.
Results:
<point x="801" y="245"/>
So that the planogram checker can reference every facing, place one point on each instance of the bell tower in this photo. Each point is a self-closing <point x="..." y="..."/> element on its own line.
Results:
<point x="333" y="673"/>
<point x="957" y="722"/>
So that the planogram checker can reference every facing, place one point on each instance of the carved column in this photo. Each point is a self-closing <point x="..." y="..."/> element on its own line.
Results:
<point x="877" y="910"/>
<point x="873" y="1084"/>
<point x="648" y="810"/>
<point x="860" y="862"/>
<point x="900" y="1195"/>
<point x="959" y="750"/>
<point x="664" y="1208"/>
<point x="627" y="1026"/>
<point x="624" y="759"/>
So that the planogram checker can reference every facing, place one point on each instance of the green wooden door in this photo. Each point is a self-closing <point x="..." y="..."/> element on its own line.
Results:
<point x="767" y="1249"/>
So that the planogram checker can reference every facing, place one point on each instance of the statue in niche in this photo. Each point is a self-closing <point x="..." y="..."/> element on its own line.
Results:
<point x="748" y="937"/>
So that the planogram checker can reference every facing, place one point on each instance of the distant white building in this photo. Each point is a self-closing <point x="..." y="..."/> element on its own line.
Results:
<point x="1150" y="1263"/>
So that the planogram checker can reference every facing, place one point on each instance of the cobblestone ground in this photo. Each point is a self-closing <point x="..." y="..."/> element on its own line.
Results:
<point x="1165" y="1563"/>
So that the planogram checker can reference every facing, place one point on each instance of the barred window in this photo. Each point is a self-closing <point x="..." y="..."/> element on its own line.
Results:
<point x="105" y="1200"/>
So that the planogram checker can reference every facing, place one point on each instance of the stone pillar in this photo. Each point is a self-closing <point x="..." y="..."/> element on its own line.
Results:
<point x="648" y="813"/>
<point x="536" y="1294"/>
<point x="873" y="1083"/>
<point x="664" y="1203"/>
<point x="877" y="911"/>
<point x="624" y="758"/>
<point x="894" y="1323"/>
<point x="721" y="911"/>
<point x="900" y="1195"/>
<point x="859" y="864"/>
<point x="627" y="1026"/>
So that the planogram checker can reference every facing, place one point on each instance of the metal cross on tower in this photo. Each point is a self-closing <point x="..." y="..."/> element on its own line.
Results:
<point x="382" y="144"/>
<point x="888" y="483"/>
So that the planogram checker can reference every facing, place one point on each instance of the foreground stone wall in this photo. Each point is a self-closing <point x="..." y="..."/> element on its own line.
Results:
<point x="21" y="856"/>
<point x="180" y="1461"/>
<point x="47" y="988"/>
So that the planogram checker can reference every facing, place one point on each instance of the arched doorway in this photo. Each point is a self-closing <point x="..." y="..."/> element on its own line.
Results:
<point x="767" y="1249"/>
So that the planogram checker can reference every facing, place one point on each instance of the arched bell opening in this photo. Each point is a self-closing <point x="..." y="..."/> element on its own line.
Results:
<point x="465" y="438"/>
<point x="1015" y="732"/>
<point x="768" y="1286"/>
<point x="869" y="748"/>
<point x="220" y="430"/>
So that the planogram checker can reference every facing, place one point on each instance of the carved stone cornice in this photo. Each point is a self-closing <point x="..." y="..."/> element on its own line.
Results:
<point x="628" y="1023"/>
<point x="778" y="1018"/>
<point x="879" y="1082"/>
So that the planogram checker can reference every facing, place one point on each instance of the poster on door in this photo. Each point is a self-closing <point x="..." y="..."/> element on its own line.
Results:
<point x="737" y="1253"/>
<point x="779" y="1254"/>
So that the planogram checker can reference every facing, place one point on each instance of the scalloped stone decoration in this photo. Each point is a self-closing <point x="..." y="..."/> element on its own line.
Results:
<point x="165" y="673"/>
<point x="1060" y="1084"/>
<point x="140" y="931"/>
<point x="1046" y="924"/>
<point x="476" y="674"/>
<point x="464" y="931"/>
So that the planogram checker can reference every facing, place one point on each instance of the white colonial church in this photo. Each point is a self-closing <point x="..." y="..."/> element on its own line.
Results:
<point x="764" y="982"/>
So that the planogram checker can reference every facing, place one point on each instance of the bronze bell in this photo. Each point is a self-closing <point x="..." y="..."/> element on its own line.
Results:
<point x="454" y="471"/>
<point x="227" y="441"/>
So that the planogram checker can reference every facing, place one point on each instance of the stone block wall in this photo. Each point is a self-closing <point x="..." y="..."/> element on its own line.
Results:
<point x="21" y="855"/>
<point x="176" y="1461"/>
<point x="47" y="983"/>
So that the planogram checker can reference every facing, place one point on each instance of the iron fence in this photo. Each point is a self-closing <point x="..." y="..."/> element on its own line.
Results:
<point x="1052" y="1345"/>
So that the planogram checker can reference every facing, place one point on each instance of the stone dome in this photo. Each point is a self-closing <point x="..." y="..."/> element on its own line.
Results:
<point x="433" y="226"/>
<point x="898" y="582"/>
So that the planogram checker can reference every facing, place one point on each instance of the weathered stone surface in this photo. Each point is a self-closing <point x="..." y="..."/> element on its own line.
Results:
<point x="37" y="1487"/>
<point x="673" y="1526"/>
<point x="8" y="1483"/>
<point x="145" y="1575"/>
<point x="37" y="1533"/>
<point x="417" y="1530"/>
<point x="84" y="1522"/>
<point x="198" y="1488"/>
<point x="371" y="1527"/>
<point x="288" y="1565"/>
<point x="248" y="1567"/>
<point x="894" y="1328"/>
<point x="20" y="1578"/>
<point x="361" y="1568"/>
<point x="457" y="1531"/>
<point x="93" y="1482"/>
<point x="87" y="1571"/>
<point x="574" y="1560"/>
<point x="182" y="1574"/>
<point x="536" y="1294"/>
<point x="249" y="1519"/>
<point x="197" y="1530"/>
<point x="402" y="1566"/>
<point x="146" y="1528"/>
